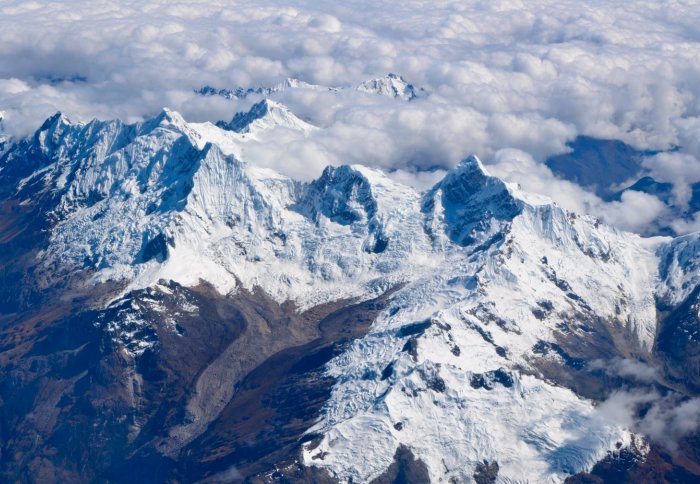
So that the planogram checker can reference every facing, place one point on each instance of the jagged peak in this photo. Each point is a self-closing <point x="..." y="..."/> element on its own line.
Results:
<point x="342" y="193"/>
<point x="51" y="131"/>
<point x="472" y="162"/>
<point x="264" y="115"/>
<point x="467" y="202"/>
<point x="468" y="177"/>
<point x="54" y="121"/>
<point x="391" y="85"/>
<point x="166" y="118"/>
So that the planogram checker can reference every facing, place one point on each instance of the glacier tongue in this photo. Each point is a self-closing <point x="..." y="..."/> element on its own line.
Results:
<point x="494" y="283"/>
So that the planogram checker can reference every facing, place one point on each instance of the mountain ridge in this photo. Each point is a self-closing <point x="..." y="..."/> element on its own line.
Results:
<point x="391" y="85"/>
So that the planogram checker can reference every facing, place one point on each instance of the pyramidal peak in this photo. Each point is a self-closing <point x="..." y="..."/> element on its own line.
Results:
<point x="167" y="119"/>
<point x="265" y="115"/>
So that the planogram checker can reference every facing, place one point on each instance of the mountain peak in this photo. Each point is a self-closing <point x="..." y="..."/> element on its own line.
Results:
<point x="468" y="204"/>
<point x="472" y="162"/>
<point x="265" y="115"/>
<point x="167" y="118"/>
<point x="52" y="130"/>
<point x="391" y="85"/>
<point x="343" y="194"/>
<point x="468" y="177"/>
<point x="56" y="119"/>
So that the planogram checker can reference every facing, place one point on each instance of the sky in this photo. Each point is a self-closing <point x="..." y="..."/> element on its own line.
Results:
<point x="510" y="81"/>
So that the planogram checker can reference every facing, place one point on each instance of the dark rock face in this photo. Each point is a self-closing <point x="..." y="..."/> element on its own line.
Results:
<point x="154" y="249"/>
<point x="678" y="342"/>
<point x="413" y="329"/>
<point x="488" y="380"/>
<point x="405" y="469"/>
<point x="486" y="472"/>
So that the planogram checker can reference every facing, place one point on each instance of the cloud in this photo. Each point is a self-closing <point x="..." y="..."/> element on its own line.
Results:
<point x="683" y="226"/>
<point x="681" y="169"/>
<point x="502" y="75"/>
<point x="665" y="419"/>
<point x="626" y="368"/>
<point x="635" y="211"/>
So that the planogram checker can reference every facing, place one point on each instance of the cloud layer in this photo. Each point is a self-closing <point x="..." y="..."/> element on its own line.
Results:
<point x="503" y="75"/>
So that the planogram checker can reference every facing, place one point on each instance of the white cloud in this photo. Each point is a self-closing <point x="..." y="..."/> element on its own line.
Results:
<point x="636" y="211"/>
<point x="681" y="169"/>
<point x="626" y="368"/>
<point x="666" y="419"/>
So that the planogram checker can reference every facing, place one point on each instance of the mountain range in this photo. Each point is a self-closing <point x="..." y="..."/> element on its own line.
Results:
<point x="391" y="85"/>
<point x="173" y="312"/>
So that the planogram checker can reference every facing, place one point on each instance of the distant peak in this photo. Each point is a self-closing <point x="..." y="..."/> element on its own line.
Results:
<point x="391" y="85"/>
<point x="265" y="106"/>
<point x="168" y="116"/>
<point x="264" y="115"/>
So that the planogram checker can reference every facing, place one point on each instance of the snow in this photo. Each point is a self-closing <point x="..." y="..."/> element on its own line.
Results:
<point x="266" y="115"/>
<point x="477" y="258"/>
<point x="391" y="85"/>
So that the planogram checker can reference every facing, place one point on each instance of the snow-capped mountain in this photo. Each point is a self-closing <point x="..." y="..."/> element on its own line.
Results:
<point x="391" y="85"/>
<point x="265" y="115"/>
<point x="458" y="323"/>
